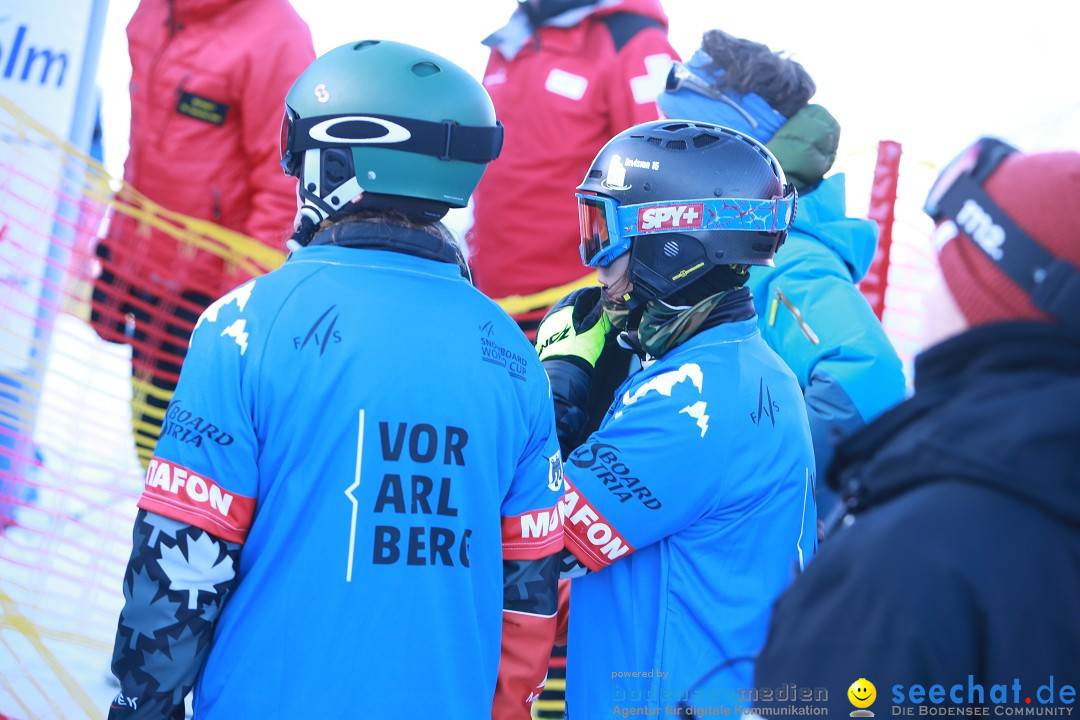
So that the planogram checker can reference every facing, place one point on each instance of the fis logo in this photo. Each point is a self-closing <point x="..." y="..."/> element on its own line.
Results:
<point x="671" y="217"/>
<point x="320" y="335"/>
<point x="978" y="224"/>
<point x="766" y="406"/>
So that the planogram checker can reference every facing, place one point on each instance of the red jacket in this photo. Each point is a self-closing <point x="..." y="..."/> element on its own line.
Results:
<point x="208" y="86"/>
<point x="564" y="94"/>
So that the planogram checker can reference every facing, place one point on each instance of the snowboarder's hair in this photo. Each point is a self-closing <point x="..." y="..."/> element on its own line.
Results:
<point x="751" y="67"/>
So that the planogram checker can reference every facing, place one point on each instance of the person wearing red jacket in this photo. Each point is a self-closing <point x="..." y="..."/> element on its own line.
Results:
<point x="206" y="77"/>
<point x="565" y="76"/>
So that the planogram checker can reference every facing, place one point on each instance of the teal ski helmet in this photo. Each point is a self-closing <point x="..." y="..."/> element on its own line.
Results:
<point x="377" y="124"/>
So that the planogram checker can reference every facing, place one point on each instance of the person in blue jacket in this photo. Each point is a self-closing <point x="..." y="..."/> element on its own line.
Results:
<point x="691" y="507"/>
<point x="810" y="310"/>
<point x="352" y="510"/>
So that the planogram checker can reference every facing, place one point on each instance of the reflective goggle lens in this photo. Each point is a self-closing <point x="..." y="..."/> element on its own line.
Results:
<point x="290" y="161"/>
<point x="600" y="239"/>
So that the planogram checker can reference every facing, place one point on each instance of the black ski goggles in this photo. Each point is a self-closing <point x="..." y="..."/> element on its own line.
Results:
<point x="958" y="197"/>
<point x="445" y="140"/>
<point x="608" y="228"/>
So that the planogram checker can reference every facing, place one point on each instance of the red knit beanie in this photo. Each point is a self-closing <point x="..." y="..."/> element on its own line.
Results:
<point x="1041" y="193"/>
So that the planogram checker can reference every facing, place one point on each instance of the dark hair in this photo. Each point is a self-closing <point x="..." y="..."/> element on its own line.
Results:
<point x="751" y="67"/>
<point x="394" y="218"/>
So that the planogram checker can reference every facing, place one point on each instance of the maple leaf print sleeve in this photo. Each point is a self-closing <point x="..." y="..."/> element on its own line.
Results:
<point x="195" y="511"/>
<point x="177" y="581"/>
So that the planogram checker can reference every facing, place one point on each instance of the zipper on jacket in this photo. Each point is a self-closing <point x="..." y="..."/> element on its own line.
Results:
<point x="803" y="325"/>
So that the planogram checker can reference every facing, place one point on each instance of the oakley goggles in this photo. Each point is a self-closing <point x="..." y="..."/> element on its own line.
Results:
<point x="290" y="157"/>
<point x="445" y="140"/>
<point x="958" y="197"/>
<point x="607" y="228"/>
<point x="682" y="77"/>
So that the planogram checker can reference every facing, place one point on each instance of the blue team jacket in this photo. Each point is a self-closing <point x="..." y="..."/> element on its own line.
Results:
<point x="693" y="505"/>
<point x="845" y="363"/>
<point x="379" y="436"/>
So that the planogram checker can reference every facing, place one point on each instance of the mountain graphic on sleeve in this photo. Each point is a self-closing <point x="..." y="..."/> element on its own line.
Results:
<point x="235" y="330"/>
<point x="664" y="384"/>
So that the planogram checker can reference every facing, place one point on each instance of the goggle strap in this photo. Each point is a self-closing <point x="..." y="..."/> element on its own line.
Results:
<point x="445" y="140"/>
<point x="682" y="77"/>
<point x="773" y="215"/>
<point x="1053" y="284"/>
<point x="991" y="154"/>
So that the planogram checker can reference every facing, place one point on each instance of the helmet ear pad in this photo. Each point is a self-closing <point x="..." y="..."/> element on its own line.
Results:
<point x="336" y="166"/>
<point x="662" y="263"/>
<point x="667" y="263"/>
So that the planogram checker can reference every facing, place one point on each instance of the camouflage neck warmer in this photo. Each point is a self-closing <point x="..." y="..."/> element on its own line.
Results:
<point x="664" y="327"/>
<point x="617" y="313"/>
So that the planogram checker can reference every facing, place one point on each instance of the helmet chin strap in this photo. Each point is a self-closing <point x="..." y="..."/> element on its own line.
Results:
<point x="315" y="208"/>
<point x="628" y="339"/>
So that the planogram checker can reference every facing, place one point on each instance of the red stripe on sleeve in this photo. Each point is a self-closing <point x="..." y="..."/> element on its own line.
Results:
<point x="178" y="493"/>
<point x="532" y="535"/>
<point x="589" y="536"/>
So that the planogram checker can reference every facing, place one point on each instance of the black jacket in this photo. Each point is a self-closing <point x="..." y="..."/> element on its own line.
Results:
<point x="963" y="557"/>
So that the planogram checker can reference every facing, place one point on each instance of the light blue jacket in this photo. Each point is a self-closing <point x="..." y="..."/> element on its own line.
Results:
<point x="846" y="365"/>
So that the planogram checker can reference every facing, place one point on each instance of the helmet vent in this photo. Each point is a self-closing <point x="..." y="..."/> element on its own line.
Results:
<point x="705" y="140"/>
<point x="676" y="144"/>
<point x="654" y="140"/>
<point x="365" y="44"/>
<point x="671" y="248"/>
<point x="425" y="69"/>
<point x="593" y="174"/>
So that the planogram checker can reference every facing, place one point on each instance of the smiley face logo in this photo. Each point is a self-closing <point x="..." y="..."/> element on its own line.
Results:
<point x="862" y="694"/>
